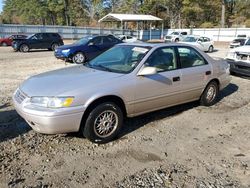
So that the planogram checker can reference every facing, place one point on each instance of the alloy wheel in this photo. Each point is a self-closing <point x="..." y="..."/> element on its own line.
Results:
<point x="106" y="123"/>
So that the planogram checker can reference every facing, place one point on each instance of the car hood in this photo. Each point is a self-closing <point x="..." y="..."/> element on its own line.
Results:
<point x="242" y="49"/>
<point x="191" y="43"/>
<point x="66" y="80"/>
<point x="64" y="47"/>
<point x="172" y="35"/>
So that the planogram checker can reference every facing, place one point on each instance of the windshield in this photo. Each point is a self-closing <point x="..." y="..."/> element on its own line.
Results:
<point x="175" y="33"/>
<point x="119" y="59"/>
<point x="248" y="42"/>
<point x="83" y="40"/>
<point x="30" y="36"/>
<point x="189" y="39"/>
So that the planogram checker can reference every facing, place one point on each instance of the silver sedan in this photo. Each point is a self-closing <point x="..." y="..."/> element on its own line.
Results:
<point x="125" y="81"/>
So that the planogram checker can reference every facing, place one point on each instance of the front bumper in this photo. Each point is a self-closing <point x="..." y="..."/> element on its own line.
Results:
<point x="50" y="121"/>
<point x="239" y="67"/>
<point x="63" y="56"/>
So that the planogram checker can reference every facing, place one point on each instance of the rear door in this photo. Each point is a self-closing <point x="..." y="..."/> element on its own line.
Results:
<point x="109" y="41"/>
<point x="195" y="72"/>
<point x="47" y="40"/>
<point x="207" y="43"/>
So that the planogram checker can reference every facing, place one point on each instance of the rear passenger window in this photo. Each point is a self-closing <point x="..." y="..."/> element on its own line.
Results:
<point x="163" y="59"/>
<point x="97" y="41"/>
<point x="190" y="58"/>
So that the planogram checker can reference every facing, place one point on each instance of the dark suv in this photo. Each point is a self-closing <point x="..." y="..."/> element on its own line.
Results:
<point x="48" y="41"/>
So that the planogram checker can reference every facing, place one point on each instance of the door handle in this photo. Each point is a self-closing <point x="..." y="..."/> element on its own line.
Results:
<point x="208" y="72"/>
<point x="176" y="79"/>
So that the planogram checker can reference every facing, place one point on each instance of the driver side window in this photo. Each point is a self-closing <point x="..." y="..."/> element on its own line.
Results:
<point x="163" y="59"/>
<point x="97" y="41"/>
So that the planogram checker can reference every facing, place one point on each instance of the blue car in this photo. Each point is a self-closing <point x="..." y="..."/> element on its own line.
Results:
<point x="86" y="48"/>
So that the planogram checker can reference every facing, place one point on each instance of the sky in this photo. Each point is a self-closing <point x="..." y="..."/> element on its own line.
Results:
<point x="1" y="5"/>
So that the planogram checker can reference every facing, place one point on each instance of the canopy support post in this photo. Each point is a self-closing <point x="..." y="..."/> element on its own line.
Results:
<point x="162" y="29"/>
<point x="150" y="34"/>
<point x="137" y="26"/>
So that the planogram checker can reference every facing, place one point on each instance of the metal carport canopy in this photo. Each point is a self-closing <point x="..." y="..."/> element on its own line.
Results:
<point x="128" y="17"/>
<point x="131" y="18"/>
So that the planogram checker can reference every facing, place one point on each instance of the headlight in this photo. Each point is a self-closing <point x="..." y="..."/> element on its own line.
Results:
<point x="66" y="51"/>
<point x="52" y="102"/>
<point x="231" y="55"/>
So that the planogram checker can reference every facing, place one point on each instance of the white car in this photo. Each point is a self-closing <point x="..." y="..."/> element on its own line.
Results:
<point x="204" y="43"/>
<point x="237" y="42"/>
<point x="175" y="36"/>
<point x="127" y="38"/>
<point x="239" y="59"/>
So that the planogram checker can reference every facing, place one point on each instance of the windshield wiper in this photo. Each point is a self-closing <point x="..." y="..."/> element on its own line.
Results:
<point x="104" y="68"/>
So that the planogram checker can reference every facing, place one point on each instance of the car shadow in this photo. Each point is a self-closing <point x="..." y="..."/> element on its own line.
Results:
<point x="11" y="125"/>
<point x="230" y="89"/>
<point x="132" y="124"/>
<point x="41" y="50"/>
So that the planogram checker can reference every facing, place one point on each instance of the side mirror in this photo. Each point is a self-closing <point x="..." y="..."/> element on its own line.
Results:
<point x="147" y="71"/>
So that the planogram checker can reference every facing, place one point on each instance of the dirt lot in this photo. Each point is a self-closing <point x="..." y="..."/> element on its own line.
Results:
<point x="184" y="146"/>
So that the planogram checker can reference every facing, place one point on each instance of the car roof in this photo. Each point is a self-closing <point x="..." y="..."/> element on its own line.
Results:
<point x="152" y="45"/>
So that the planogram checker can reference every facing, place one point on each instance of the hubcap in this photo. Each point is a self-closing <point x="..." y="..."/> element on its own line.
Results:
<point x="54" y="46"/>
<point x="105" y="124"/>
<point x="4" y="44"/>
<point x="25" y="48"/>
<point x="211" y="93"/>
<point x="79" y="58"/>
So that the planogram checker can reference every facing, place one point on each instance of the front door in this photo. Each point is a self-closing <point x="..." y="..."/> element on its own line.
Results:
<point x="162" y="89"/>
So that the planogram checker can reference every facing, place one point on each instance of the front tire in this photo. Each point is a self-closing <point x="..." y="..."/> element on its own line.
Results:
<point x="24" y="48"/>
<point x="78" y="58"/>
<point x="177" y="40"/>
<point x="210" y="94"/>
<point x="103" y="123"/>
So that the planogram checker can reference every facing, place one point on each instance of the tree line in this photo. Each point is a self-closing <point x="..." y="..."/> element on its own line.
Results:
<point x="175" y="13"/>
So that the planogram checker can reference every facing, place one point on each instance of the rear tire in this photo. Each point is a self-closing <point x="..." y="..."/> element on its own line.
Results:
<point x="4" y="44"/>
<point x="210" y="94"/>
<point x="103" y="123"/>
<point x="24" y="48"/>
<point x="210" y="49"/>
<point x="78" y="58"/>
<point x="54" y="46"/>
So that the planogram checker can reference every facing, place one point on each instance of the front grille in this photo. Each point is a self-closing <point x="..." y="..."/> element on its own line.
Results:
<point x="243" y="67"/>
<point x="19" y="96"/>
<point x="168" y="37"/>
<point x="243" y="57"/>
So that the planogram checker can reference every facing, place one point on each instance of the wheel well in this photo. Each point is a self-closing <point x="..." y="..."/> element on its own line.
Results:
<point x="23" y="44"/>
<point x="216" y="80"/>
<point x="110" y="98"/>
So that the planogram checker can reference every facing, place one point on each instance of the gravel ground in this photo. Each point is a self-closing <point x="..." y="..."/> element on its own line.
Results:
<point x="184" y="146"/>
